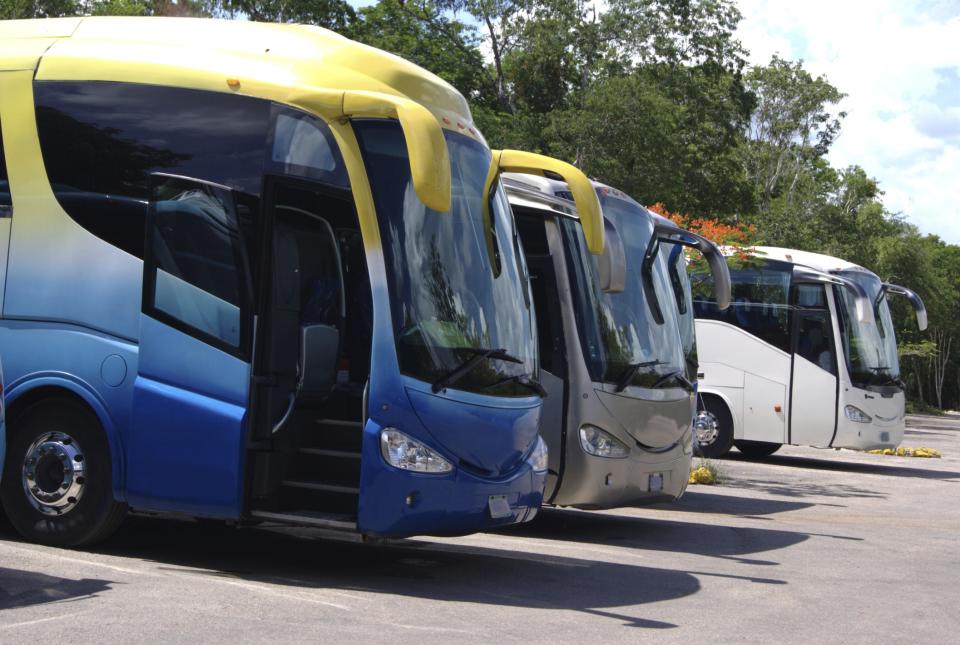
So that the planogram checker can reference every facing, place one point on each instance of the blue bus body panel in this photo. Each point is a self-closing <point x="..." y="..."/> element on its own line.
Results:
<point x="98" y="369"/>
<point x="186" y="447"/>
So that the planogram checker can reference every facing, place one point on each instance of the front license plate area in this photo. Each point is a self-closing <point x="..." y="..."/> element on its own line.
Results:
<point x="499" y="507"/>
<point x="656" y="483"/>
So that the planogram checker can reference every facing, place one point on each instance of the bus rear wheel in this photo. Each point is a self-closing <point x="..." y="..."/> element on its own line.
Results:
<point x="712" y="428"/>
<point x="57" y="480"/>
<point x="757" y="449"/>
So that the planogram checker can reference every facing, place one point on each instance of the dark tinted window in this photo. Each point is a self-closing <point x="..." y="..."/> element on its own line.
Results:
<point x="201" y="276"/>
<point x="5" y="203"/>
<point x="815" y="326"/>
<point x="761" y="290"/>
<point x="533" y="233"/>
<point x="101" y="142"/>
<point x="302" y="145"/>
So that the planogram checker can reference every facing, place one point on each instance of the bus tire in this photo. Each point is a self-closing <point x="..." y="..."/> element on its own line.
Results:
<point x="713" y="410"/>
<point x="757" y="449"/>
<point x="57" y="481"/>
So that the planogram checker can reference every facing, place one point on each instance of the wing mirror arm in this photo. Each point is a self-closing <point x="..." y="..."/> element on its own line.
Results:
<point x="719" y="269"/>
<point x="613" y="261"/>
<point x="913" y="298"/>
<point x="864" y="308"/>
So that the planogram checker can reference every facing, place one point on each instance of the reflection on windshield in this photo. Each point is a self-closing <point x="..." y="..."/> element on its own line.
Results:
<point x="618" y="330"/>
<point x="871" y="353"/>
<point x="446" y="296"/>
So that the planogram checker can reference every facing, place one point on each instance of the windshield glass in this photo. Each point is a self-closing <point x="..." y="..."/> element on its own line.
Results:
<point x="871" y="352"/>
<point x="676" y="261"/>
<point x="450" y="293"/>
<point x="618" y="330"/>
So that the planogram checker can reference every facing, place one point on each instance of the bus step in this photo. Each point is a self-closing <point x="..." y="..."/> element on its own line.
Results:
<point x="317" y="486"/>
<point x="321" y="452"/>
<point x="343" y="423"/>
<point x="332" y="521"/>
<point x="333" y="434"/>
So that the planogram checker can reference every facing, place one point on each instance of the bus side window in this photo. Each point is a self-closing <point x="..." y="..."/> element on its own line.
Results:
<point x="101" y="141"/>
<point x="815" y="328"/>
<point x="197" y="269"/>
<point x="6" y="203"/>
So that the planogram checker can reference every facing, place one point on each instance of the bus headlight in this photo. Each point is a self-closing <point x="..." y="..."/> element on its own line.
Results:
<point x="601" y="444"/>
<point x="405" y="453"/>
<point x="538" y="456"/>
<point x="856" y="414"/>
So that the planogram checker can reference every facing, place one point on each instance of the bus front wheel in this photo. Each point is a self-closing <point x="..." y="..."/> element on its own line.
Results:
<point x="757" y="449"/>
<point x="57" y="486"/>
<point x="713" y="427"/>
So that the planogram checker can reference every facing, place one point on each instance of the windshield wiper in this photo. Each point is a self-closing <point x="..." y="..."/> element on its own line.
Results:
<point x="522" y="379"/>
<point x="631" y="371"/>
<point x="479" y="354"/>
<point x="675" y="375"/>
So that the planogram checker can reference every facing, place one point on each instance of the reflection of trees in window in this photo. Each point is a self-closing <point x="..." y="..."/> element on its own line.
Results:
<point x="98" y="159"/>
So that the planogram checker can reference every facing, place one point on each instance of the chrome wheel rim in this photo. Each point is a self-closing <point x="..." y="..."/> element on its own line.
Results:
<point x="706" y="428"/>
<point x="54" y="473"/>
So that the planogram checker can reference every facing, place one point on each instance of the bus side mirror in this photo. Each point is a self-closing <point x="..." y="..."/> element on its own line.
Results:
<point x="722" y="287"/>
<point x="319" y="348"/>
<point x="863" y="306"/>
<point x="915" y="300"/>
<point x="613" y="261"/>
<point x="426" y="145"/>
<point x="584" y="196"/>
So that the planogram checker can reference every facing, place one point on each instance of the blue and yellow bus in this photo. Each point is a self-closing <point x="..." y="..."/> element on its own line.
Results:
<point x="258" y="272"/>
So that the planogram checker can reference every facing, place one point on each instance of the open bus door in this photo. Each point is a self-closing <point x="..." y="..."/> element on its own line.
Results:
<point x="186" y="442"/>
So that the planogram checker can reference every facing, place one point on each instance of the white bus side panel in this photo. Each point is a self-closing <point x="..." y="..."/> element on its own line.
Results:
<point x="4" y="247"/>
<point x="762" y="421"/>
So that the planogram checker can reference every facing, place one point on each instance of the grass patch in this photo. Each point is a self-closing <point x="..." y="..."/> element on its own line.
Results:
<point x="922" y="407"/>
<point x="705" y="473"/>
<point x="926" y="453"/>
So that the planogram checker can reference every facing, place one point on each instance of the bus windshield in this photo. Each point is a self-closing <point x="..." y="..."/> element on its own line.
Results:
<point x="676" y="262"/>
<point x="454" y="297"/>
<point x="870" y="350"/>
<point x="618" y="331"/>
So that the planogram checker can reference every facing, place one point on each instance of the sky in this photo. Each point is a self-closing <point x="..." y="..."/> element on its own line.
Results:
<point x="898" y="61"/>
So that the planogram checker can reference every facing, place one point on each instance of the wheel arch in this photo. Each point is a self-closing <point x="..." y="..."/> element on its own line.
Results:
<point x="25" y="392"/>
<point x="726" y="401"/>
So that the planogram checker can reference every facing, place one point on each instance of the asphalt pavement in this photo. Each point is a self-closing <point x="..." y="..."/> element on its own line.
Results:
<point x="808" y="546"/>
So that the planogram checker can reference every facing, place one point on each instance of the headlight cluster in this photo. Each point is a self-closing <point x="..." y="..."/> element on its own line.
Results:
<point x="856" y="414"/>
<point x="401" y="451"/>
<point x="601" y="444"/>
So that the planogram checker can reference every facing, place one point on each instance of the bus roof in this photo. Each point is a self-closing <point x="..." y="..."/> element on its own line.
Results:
<point x="818" y="261"/>
<point x="279" y="62"/>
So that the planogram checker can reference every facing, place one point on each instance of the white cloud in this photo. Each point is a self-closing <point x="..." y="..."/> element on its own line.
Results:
<point x="899" y="64"/>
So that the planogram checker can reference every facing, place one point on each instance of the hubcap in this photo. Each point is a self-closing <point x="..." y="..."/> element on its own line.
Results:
<point x="706" y="427"/>
<point x="54" y="473"/>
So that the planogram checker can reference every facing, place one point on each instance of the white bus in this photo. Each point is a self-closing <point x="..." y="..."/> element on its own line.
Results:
<point x="805" y="355"/>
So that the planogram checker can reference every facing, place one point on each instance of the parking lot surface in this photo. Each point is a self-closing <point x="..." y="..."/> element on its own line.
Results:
<point x="807" y="546"/>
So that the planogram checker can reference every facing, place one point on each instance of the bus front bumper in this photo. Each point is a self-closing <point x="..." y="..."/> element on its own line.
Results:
<point x="399" y="503"/>
<point x="876" y="435"/>
<point x="643" y="478"/>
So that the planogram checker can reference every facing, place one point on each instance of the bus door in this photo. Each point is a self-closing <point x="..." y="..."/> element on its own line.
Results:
<point x="813" y="394"/>
<point x="532" y="228"/>
<point x="186" y="440"/>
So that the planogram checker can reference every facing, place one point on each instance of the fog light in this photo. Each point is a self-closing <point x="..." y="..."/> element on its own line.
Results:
<point x="856" y="414"/>
<point x="400" y="451"/>
<point x="538" y="456"/>
<point x="601" y="444"/>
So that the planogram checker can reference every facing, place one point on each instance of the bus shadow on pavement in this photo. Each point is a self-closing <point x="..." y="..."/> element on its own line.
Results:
<point x="803" y="489"/>
<point x="694" y="501"/>
<point x="888" y="470"/>
<point x="655" y="534"/>
<point x="441" y="571"/>
<point x="19" y="588"/>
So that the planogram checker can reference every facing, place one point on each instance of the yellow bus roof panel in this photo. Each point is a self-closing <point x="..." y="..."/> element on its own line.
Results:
<point x="22" y="53"/>
<point x="45" y="28"/>
<point x="271" y="61"/>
